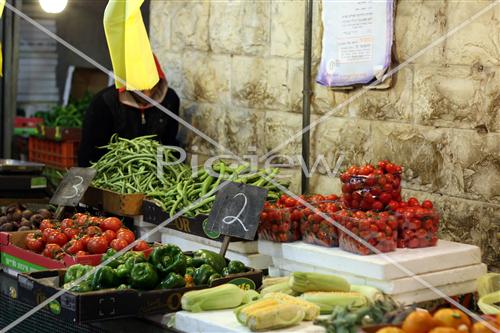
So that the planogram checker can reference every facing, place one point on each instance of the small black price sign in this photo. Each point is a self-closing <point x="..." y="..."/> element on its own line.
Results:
<point x="236" y="210"/>
<point x="73" y="186"/>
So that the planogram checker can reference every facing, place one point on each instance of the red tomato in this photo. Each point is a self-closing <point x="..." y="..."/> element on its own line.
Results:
<point x="94" y="220"/>
<point x="53" y="251"/>
<point x="141" y="246"/>
<point x="67" y="223"/>
<point x="126" y="234"/>
<point x="110" y="235"/>
<point x="93" y="230"/>
<point x="81" y="254"/>
<point x="118" y="244"/>
<point x="85" y="240"/>
<point x="97" y="245"/>
<point x="111" y="223"/>
<point x="73" y="246"/>
<point x="71" y="232"/>
<point x="413" y="243"/>
<point x="46" y="224"/>
<point x="34" y="241"/>
<point x="413" y="202"/>
<point x="46" y="232"/>
<point x="377" y="205"/>
<point x="427" y="204"/>
<point x="393" y="205"/>
<point x="385" y="198"/>
<point x="57" y="237"/>
<point x="81" y="219"/>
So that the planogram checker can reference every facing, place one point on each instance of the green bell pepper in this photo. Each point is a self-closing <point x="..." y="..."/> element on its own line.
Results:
<point x="202" y="274"/>
<point x="235" y="267"/>
<point x="225" y="271"/>
<point x="167" y="259"/>
<point x="123" y="272"/>
<point x="104" y="277"/>
<point x="211" y="258"/>
<point x="143" y="276"/>
<point x="82" y="287"/>
<point x="123" y="287"/>
<point x="173" y="280"/>
<point x="75" y="272"/>
<point x="213" y="277"/>
<point x="190" y="271"/>
<point x="109" y="253"/>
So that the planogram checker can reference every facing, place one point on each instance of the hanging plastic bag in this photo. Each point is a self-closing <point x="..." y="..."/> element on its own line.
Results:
<point x="129" y="45"/>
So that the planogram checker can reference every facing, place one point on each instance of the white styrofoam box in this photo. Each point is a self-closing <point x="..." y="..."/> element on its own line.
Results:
<point x="387" y="266"/>
<point x="270" y="248"/>
<point x="154" y="237"/>
<point x="274" y="271"/>
<point x="396" y="286"/>
<point x="240" y="247"/>
<point x="256" y="260"/>
<point x="225" y="322"/>
<point x="429" y="295"/>
<point x="139" y="222"/>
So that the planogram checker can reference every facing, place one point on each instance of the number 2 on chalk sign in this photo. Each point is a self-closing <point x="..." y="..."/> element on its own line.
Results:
<point x="231" y="219"/>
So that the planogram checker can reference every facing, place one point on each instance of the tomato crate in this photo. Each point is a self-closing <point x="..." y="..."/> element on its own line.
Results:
<point x="59" y="154"/>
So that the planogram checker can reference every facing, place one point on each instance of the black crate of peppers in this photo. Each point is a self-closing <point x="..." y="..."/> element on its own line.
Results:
<point x="133" y="285"/>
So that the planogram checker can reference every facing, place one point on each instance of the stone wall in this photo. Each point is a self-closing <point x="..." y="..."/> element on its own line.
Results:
<point x="237" y="66"/>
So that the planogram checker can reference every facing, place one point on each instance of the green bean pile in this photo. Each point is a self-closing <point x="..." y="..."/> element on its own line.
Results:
<point x="130" y="166"/>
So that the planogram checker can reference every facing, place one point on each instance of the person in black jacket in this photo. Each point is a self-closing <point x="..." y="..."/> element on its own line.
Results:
<point x="128" y="115"/>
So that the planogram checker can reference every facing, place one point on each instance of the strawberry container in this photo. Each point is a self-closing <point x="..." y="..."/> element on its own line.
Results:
<point x="380" y="230"/>
<point x="371" y="188"/>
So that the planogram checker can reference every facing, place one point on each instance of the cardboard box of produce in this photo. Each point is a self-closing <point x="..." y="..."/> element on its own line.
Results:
<point x="197" y="225"/>
<point x="113" y="202"/>
<point x="35" y="287"/>
<point x="15" y="255"/>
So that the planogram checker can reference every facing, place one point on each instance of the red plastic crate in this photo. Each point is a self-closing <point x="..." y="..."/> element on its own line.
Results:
<point x="59" y="154"/>
<point x="21" y="122"/>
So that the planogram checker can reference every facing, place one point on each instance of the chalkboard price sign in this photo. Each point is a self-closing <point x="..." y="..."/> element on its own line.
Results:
<point x="73" y="186"/>
<point x="236" y="210"/>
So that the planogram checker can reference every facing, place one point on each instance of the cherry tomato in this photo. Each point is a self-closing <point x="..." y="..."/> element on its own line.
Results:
<point x="110" y="235"/>
<point x="53" y="251"/>
<point x="67" y="223"/>
<point x="126" y="234"/>
<point x="141" y="246"/>
<point x="46" y="224"/>
<point x="377" y="205"/>
<point x="97" y="245"/>
<point x="94" y="230"/>
<point x="73" y="246"/>
<point x="57" y="237"/>
<point x="111" y="223"/>
<point x="413" y="202"/>
<point x="34" y="241"/>
<point x="393" y="205"/>
<point x="427" y="204"/>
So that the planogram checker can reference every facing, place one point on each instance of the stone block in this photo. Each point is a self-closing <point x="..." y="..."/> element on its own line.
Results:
<point x="325" y="185"/>
<point x="240" y="27"/>
<point x="260" y="83"/>
<point x="206" y="77"/>
<point x="477" y="42"/>
<point x="207" y="118"/>
<point x="418" y="24"/>
<point x="245" y="131"/>
<point x="457" y="96"/>
<point x="279" y="128"/>
<point x="159" y="27"/>
<point x="189" y="25"/>
<point x="390" y="104"/>
<point x="341" y="140"/>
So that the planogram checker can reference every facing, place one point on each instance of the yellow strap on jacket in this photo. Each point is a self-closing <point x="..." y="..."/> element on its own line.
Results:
<point x="129" y="46"/>
<point x="2" y="4"/>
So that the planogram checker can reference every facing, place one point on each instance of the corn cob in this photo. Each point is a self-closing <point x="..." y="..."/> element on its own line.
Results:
<point x="303" y="282"/>
<point x="250" y="296"/>
<point x="267" y="282"/>
<point x="327" y="301"/>
<point x="243" y="311"/>
<point x="371" y="293"/>
<point x="225" y="296"/>
<point x="282" y="287"/>
<point x="311" y="310"/>
<point x="269" y="314"/>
